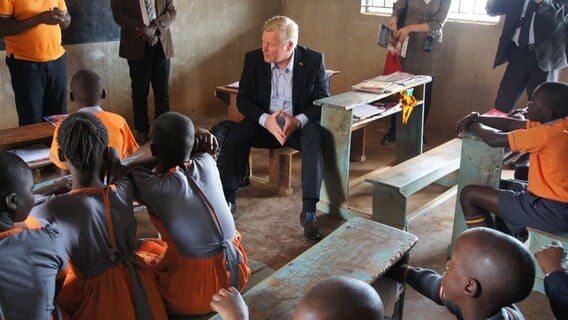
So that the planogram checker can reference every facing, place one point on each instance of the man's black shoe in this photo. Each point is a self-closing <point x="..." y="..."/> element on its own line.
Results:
<point x="310" y="224"/>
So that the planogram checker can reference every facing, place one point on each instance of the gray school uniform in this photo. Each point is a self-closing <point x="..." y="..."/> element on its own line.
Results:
<point x="31" y="260"/>
<point x="434" y="13"/>
<point x="180" y="198"/>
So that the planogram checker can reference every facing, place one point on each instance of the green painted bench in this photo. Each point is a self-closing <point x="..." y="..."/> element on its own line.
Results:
<point x="392" y="187"/>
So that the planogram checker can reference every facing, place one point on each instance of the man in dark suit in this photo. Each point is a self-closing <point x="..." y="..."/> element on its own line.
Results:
<point x="534" y="41"/>
<point x="146" y="42"/>
<point x="276" y="92"/>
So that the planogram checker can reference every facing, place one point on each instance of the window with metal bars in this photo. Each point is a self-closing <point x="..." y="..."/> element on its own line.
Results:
<point x="461" y="10"/>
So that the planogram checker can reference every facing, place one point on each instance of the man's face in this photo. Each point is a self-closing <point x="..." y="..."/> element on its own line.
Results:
<point x="273" y="50"/>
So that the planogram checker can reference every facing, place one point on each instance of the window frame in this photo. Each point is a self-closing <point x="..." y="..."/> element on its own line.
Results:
<point x="368" y="8"/>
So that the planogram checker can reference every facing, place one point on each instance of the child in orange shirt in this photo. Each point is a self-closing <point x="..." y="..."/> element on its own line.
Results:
<point x="86" y="93"/>
<point x="543" y="204"/>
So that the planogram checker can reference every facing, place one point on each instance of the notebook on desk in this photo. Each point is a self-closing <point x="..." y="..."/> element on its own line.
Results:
<point x="387" y="83"/>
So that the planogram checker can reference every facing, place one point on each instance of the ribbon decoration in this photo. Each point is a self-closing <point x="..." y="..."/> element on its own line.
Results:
<point x="408" y="102"/>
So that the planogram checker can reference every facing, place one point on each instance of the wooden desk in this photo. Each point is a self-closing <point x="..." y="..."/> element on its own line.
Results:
<point x="338" y="123"/>
<point x="26" y="135"/>
<point x="229" y="96"/>
<point x="360" y="249"/>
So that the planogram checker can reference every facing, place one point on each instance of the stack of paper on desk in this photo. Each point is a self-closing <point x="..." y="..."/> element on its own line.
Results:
<point x="363" y="111"/>
<point x="32" y="154"/>
<point x="388" y="83"/>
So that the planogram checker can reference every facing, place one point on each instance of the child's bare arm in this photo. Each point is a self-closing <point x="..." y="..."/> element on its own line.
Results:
<point x="501" y="123"/>
<point x="491" y="136"/>
<point x="230" y="304"/>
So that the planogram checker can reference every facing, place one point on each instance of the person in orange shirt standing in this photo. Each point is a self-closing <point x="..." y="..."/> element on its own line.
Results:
<point x="86" y="93"/>
<point x="543" y="203"/>
<point x="35" y="56"/>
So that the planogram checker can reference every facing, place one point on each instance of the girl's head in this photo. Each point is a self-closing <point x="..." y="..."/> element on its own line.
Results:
<point x="16" y="184"/>
<point x="82" y="139"/>
<point x="173" y="138"/>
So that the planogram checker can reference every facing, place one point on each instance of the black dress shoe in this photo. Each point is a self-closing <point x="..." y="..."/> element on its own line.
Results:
<point x="388" y="138"/>
<point x="311" y="227"/>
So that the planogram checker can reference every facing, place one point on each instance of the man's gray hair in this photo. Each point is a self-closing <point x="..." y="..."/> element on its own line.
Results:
<point x="287" y="27"/>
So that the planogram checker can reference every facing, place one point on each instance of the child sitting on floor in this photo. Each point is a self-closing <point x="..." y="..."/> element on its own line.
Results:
<point x="86" y="94"/>
<point x="488" y="272"/>
<point x="106" y="280"/>
<point x="336" y="298"/>
<point x="544" y="203"/>
<point x="31" y="259"/>
<point x="185" y="200"/>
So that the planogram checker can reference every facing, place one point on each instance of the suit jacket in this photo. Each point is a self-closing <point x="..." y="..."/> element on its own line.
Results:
<point x="556" y="287"/>
<point x="309" y="83"/>
<point x="550" y="31"/>
<point x="128" y="15"/>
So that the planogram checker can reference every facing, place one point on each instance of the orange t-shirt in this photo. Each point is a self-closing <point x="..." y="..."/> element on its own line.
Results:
<point x="548" y="148"/>
<point x="119" y="137"/>
<point x="38" y="44"/>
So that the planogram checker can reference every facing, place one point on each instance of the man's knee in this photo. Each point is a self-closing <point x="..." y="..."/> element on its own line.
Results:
<point x="312" y="132"/>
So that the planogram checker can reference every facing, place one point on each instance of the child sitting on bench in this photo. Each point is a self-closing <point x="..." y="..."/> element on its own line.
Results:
<point x="488" y="272"/>
<point x="336" y="298"/>
<point x="544" y="203"/>
<point x="185" y="200"/>
<point x="31" y="259"/>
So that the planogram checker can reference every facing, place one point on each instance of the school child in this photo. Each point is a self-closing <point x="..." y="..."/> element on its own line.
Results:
<point x="488" y="272"/>
<point x="32" y="260"/>
<point x="86" y="95"/>
<point x="336" y="298"/>
<point x="544" y="202"/>
<point x="184" y="197"/>
<point x="106" y="280"/>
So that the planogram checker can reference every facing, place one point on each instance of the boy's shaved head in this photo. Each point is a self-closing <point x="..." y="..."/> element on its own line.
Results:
<point x="13" y="172"/>
<point x="555" y="97"/>
<point x="87" y="87"/>
<point x="340" y="298"/>
<point x="173" y="136"/>
<point x="499" y="265"/>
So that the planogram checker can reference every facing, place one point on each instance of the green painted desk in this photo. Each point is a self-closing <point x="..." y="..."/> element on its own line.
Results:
<point x="360" y="248"/>
<point x="338" y="123"/>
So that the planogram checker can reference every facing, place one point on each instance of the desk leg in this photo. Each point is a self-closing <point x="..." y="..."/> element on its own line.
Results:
<point x="336" y="125"/>
<point x="480" y="164"/>
<point x="409" y="136"/>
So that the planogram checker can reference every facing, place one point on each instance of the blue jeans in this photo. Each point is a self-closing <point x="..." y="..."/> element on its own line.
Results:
<point x="40" y="88"/>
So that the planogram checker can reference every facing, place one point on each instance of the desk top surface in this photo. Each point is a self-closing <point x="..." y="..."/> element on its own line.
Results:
<point x="360" y="248"/>
<point x="25" y="135"/>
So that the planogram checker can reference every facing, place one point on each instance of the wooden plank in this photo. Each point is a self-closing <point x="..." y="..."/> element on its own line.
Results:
<point x="360" y="248"/>
<point x="430" y="205"/>
<point x="414" y="174"/>
<point x="26" y="135"/>
<point x="480" y="164"/>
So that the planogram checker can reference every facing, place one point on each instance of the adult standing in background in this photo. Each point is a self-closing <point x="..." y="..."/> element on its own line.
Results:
<point x="534" y="41"/>
<point x="35" y="56"/>
<point x="422" y="21"/>
<point x="146" y="42"/>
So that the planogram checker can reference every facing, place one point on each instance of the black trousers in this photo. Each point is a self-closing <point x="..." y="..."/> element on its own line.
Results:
<point x="522" y="73"/>
<point x="40" y="88"/>
<point x="153" y="69"/>
<point x="247" y="134"/>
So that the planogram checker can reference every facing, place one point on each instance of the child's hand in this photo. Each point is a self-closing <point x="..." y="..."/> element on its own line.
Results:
<point x="229" y="304"/>
<point x="552" y="258"/>
<point x="111" y="166"/>
<point x="205" y="142"/>
<point x="464" y="123"/>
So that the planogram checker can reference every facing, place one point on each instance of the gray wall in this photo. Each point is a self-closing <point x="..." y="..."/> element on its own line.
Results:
<point x="211" y="38"/>
<point x="348" y="39"/>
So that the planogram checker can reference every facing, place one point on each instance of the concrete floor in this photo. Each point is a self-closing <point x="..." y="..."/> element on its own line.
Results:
<point x="271" y="232"/>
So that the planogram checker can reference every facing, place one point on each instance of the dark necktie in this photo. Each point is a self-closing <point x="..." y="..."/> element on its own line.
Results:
<point x="151" y="12"/>
<point x="526" y="26"/>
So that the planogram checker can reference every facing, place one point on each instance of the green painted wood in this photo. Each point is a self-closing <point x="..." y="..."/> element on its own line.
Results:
<point x="360" y="248"/>
<point x="538" y="239"/>
<point x="480" y="164"/>
<point x="418" y="172"/>
<point x="409" y="136"/>
<point x="389" y="207"/>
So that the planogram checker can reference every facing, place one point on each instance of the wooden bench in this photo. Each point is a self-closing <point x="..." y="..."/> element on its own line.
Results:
<point x="279" y="172"/>
<point x="392" y="187"/>
<point x="360" y="248"/>
<point x="537" y="240"/>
